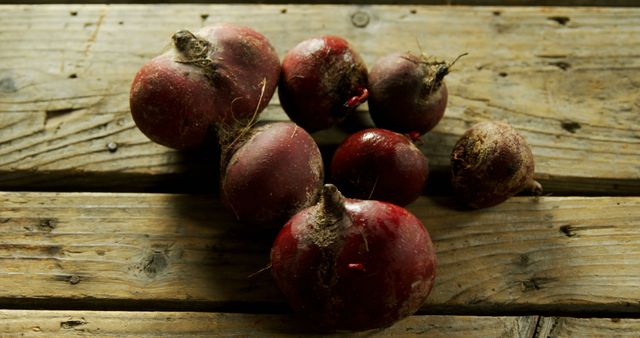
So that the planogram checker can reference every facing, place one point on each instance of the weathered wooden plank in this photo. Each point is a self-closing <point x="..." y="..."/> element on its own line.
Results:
<point x="157" y="251"/>
<point x="570" y="86"/>
<point x="605" y="3"/>
<point x="587" y="327"/>
<point x="199" y="324"/>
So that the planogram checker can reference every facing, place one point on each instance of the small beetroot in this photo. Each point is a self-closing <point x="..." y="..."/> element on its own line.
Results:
<point x="323" y="80"/>
<point x="270" y="172"/>
<point x="490" y="163"/>
<point x="407" y="93"/>
<point x="220" y="76"/>
<point x="380" y="164"/>
<point x="350" y="264"/>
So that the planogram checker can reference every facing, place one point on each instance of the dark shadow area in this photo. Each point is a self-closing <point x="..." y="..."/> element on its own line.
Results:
<point x="359" y="120"/>
<point x="234" y="257"/>
<point x="198" y="172"/>
<point x="627" y="310"/>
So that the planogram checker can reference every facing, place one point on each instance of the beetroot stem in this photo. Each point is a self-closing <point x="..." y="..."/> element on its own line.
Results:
<point x="363" y="95"/>
<point x="332" y="205"/>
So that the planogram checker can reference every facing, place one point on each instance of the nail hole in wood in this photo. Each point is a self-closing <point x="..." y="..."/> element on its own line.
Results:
<point x="562" y="20"/>
<point x="570" y="126"/>
<point x="75" y="279"/>
<point x="360" y="19"/>
<point x="561" y="64"/>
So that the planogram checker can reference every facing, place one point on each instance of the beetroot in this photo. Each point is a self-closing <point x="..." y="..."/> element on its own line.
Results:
<point x="270" y="172"/>
<point x="490" y="163"/>
<point x="350" y="264"/>
<point x="323" y="80"/>
<point x="407" y="93"/>
<point x="380" y="164"/>
<point x="222" y="75"/>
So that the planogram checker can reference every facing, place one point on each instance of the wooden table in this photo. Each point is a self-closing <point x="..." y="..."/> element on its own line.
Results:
<point x="103" y="233"/>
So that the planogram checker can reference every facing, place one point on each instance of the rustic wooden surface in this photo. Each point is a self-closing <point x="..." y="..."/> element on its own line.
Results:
<point x="180" y="324"/>
<point x="605" y="3"/>
<point x="592" y="327"/>
<point x="144" y="264"/>
<point x="566" y="78"/>
<point x="569" y="255"/>
<point x="36" y="323"/>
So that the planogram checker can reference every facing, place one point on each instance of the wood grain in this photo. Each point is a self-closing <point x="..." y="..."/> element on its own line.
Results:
<point x="199" y="324"/>
<point x="565" y="255"/>
<point x="554" y="327"/>
<point x="35" y="323"/>
<point x="566" y="78"/>
<point x="605" y="3"/>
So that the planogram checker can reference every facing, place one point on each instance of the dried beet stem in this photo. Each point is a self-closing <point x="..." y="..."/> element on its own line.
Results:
<point x="436" y="71"/>
<point x="331" y="206"/>
<point x="194" y="50"/>
<point x="440" y="72"/>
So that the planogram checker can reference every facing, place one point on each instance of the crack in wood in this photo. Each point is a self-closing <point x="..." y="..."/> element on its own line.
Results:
<point x="155" y="263"/>
<point x="72" y="323"/>
<point x="561" y="20"/>
<point x="561" y="64"/>
<point x="48" y="224"/>
<point x="571" y="230"/>
<point x="570" y="126"/>
<point x="567" y="230"/>
<point x="54" y="114"/>
<point x="48" y="100"/>
<point x="536" y="330"/>
<point x="536" y="283"/>
<point x="94" y="34"/>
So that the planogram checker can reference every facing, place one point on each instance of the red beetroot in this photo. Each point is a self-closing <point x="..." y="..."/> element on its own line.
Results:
<point x="323" y="80"/>
<point x="380" y="164"/>
<point x="271" y="172"/>
<point x="222" y="75"/>
<point x="352" y="264"/>
<point x="407" y="93"/>
<point x="490" y="163"/>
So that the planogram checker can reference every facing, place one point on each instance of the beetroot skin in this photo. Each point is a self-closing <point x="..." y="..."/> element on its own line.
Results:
<point x="407" y="93"/>
<point x="350" y="264"/>
<point x="380" y="164"/>
<point x="490" y="163"/>
<point x="270" y="173"/>
<point x="323" y="80"/>
<point x="222" y="75"/>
